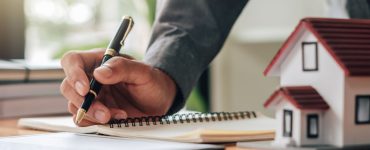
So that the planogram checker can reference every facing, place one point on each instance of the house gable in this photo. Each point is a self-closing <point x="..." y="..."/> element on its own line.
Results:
<point x="273" y="68"/>
<point x="344" y="39"/>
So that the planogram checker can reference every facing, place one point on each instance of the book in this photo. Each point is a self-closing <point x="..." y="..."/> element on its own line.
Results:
<point x="19" y="71"/>
<point x="25" y="90"/>
<point x="31" y="99"/>
<point x="33" y="106"/>
<point x="216" y="127"/>
<point x="72" y="141"/>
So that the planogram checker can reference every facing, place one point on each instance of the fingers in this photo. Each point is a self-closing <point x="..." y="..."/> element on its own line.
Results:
<point x="76" y="84"/>
<point x="88" y="120"/>
<point x="83" y="122"/>
<point x="98" y="113"/>
<point x="70" y="94"/>
<point x="75" y="64"/>
<point x="127" y="56"/>
<point x="93" y="115"/>
<point x="118" y="113"/>
<point x="86" y="59"/>
<point x="97" y="110"/>
<point x="119" y="69"/>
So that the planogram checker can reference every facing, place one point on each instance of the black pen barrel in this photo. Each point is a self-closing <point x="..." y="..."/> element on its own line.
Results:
<point x="124" y="28"/>
<point x="113" y="49"/>
<point x="95" y="87"/>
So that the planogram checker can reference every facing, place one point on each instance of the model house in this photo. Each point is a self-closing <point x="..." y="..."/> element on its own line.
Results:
<point x="324" y="70"/>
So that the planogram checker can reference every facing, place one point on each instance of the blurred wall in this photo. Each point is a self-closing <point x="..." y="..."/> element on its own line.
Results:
<point x="12" y="28"/>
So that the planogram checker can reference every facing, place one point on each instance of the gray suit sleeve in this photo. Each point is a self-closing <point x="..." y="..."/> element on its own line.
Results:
<point x="186" y="36"/>
<point x="359" y="9"/>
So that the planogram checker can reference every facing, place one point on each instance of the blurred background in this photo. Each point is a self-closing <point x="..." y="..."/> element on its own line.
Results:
<point x="43" y="30"/>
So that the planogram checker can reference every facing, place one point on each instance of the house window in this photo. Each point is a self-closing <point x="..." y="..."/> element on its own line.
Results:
<point x="362" y="109"/>
<point x="287" y="123"/>
<point x="312" y="126"/>
<point x="310" y="56"/>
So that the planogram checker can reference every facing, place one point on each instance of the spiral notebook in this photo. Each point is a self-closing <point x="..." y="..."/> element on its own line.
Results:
<point x="217" y="127"/>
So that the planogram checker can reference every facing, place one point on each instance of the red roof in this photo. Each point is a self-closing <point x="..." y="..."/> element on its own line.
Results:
<point x="346" y="40"/>
<point x="302" y="97"/>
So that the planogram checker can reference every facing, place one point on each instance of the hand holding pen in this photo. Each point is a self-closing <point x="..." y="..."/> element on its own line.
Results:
<point x="112" y="50"/>
<point x="129" y="88"/>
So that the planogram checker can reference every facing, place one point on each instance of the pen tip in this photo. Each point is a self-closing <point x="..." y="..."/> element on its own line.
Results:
<point x="80" y="115"/>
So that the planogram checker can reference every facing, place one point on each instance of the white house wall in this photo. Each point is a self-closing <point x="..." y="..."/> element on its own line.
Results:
<point x="328" y="80"/>
<point x="312" y="141"/>
<point x="279" y="138"/>
<point x="355" y="134"/>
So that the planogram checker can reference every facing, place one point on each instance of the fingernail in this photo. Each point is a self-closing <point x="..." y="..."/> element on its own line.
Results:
<point x="119" y="116"/>
<point x="99" y="115"/>
<point x="106" y="71"/>
<point x="80" y="88"/>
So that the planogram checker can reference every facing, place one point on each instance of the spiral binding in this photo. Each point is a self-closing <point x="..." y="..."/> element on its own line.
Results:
<point x="182" y="118"/>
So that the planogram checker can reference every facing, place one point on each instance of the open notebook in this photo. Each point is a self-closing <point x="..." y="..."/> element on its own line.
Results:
<point x="190" y="127"/>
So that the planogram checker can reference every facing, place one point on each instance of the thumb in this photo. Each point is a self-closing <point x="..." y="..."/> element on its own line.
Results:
<point x="119" y="69"/>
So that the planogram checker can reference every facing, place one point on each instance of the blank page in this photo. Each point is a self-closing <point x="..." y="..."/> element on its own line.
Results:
<point x="71" y="141"/>
<point x="64" y="123"/>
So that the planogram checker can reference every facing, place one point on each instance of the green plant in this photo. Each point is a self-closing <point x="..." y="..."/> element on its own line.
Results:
<point x="195" y="101"/>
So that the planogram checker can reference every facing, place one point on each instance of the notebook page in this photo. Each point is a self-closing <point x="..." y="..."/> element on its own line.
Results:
<point x="71" y="141"/>
<point x="64" y="123"/>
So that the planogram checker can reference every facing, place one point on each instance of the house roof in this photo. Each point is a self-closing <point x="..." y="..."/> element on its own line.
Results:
<point x="346" y="40"/>
<point x="302" y="97"/>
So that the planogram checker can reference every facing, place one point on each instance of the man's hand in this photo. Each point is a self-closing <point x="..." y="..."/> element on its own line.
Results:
<point x="130" y="88"/>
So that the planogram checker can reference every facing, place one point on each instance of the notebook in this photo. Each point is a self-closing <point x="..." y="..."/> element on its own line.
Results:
<point x="25" y="90"/>
<point x="213" y="127"/>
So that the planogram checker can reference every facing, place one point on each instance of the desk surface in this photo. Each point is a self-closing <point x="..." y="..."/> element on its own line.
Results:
<point x="8" y="127"/>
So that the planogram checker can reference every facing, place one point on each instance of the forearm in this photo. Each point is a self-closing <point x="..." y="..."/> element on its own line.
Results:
<point x="186" y="36"/>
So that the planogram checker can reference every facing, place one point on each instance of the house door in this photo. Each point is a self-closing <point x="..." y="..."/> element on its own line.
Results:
<point x="312" y="126"/>
<point x="287" y="123"/>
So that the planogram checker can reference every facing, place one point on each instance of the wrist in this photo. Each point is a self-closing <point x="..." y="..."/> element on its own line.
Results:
<point x="169" y="89"/>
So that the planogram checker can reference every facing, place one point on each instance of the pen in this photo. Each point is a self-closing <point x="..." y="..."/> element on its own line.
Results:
<point x="112" y="50"/>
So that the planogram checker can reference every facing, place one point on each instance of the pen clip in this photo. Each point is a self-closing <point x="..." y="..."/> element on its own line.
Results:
<point x="130" y="24"/>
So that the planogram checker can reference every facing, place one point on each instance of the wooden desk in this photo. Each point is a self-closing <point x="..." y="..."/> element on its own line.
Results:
<point x="8" y="127"/>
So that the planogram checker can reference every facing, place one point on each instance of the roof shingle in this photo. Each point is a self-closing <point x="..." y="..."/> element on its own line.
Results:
<point x="302" y="97"/>
<point x="349" y="39"/>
